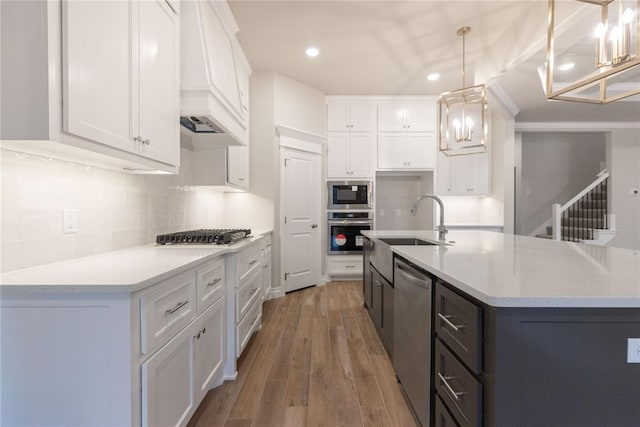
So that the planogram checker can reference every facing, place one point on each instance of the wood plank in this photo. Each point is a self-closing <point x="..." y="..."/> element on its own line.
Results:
<point x="272" y="404"/>
<point x="347" y="416"/>
<point x="295" y="416"/>
<point x="299" y="373"/>
<point x="374" y="416"/>
<point x="320" y="405"/>
<point x="397" y="408"/>
<point x="238" y="423"/>
<point x="343" y="383"/>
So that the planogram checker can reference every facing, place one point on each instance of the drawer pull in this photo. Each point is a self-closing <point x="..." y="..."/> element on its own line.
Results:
<point x="269" y="245"/>
<point x="213" y="282"/>
<point x="265" y="266"/>
<point x="176" y="308"/>
<point x="448" y="322"/>
<point x="455" y="394"/>
<point x="253" y="262"/>
<point x="253" y="291"/>
<point x="349" y="266"/>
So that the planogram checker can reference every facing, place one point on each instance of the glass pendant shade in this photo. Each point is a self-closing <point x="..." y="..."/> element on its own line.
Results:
<point x="596" y="61"/>
<point x="462" y="116"/>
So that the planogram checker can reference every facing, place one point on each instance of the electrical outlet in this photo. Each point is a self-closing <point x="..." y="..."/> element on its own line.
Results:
<point x="633" y="350"/>
<point x="70" y="221"/>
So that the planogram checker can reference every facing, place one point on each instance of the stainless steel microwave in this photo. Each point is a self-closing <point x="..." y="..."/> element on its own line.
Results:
<point x="349" y="195"/>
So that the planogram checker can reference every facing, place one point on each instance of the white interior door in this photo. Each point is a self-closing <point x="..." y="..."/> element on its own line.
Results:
<point x="301" y="195"/>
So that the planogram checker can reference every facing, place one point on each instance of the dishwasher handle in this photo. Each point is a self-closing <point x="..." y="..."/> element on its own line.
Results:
<point x="420" y="280"/>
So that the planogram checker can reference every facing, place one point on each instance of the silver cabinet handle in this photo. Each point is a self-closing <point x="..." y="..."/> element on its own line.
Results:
<point x="265" y="266"/>
<point x="177" y="307"/>
<point x="240" y="179"/>
<point x="269" y="245"/>
<point x="448" y="322"/>
<point x="253" y="262"/>
<point x="213" y="282"/>
<point x="314" y="226"/>
<point x="349" y="266"/>
<point x="138" y="138"/>
<point x="455" y="394"/>
<point x="146" y="142"/>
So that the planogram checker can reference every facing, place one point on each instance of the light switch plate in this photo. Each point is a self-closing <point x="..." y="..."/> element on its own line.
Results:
<point x="633" y="350"/>
<point x="70" y="221"/>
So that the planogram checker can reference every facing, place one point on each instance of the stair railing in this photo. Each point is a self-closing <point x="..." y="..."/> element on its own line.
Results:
<point x="572" y="229"/>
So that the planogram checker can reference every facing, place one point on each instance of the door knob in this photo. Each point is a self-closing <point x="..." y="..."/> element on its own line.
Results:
<point x="314" y="225"/>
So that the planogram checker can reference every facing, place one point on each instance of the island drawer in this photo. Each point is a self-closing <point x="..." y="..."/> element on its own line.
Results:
<point x="166" y="310"/>
<point x="458" y="323"/>
<point x="211" y="280"/>
<point x="460" y="391"/>
<point x="442" y="417"/>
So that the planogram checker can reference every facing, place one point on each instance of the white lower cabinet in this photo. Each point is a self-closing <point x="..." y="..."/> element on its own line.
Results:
<point x="167" y="383"/>
<point x="209" y="350"/>
<point x="344" y="265"/>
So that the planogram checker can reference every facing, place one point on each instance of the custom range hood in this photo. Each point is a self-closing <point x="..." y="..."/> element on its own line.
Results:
<point x="214" y="87"/>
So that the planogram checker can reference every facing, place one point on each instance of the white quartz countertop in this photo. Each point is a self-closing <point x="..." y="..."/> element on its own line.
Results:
<point x="504" y="270"/>
<point x="126" y="270"/>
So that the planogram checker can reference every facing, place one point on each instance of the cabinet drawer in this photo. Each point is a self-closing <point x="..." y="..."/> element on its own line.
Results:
<point x="460" y="391"/>
<point x="246" y="262"/>
<point x="345" y="267"/>
<point x="248" y="293"/>
<point x="265" y="246"/>
<point x="210" y="282"/>
<point x="166" y="310"/>
<point x="245" y="328"/>
<point x="442" y="417"/>
<point x="458" y="323"/>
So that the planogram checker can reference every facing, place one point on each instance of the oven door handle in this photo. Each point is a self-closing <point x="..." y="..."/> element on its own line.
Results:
<point x="349" y="222"/>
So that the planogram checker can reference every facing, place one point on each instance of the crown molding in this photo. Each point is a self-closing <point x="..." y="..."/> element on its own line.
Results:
<point x="573" y="126"/>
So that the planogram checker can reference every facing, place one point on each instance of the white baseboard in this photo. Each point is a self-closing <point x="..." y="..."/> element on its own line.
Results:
<point x="275" y="293"/>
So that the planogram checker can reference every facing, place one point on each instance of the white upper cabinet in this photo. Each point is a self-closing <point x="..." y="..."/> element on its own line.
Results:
<point x="102" y="79"/>
<point x="406" y="150"/>
<point x="349" y="155"/>
<point x="395" y="116"/>
<point x="351" y="116"/>
<point x="158" y="103"/>
<point x="467" y="175"/>
<point x="238" y="166"/>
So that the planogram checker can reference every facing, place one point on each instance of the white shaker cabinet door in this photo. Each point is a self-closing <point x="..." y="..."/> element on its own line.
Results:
<point x="362" y="117"/>
<point x="338" y="117"/>
<point x="158" y="82"/>
<point x="97" y="67"/>
<point x="209" y="350"/>
<point x="420" y="117"/>
<point x="238" y="166"/>
<point x="443" y="175"/>
<point x="337" y="152"/>
<point x="167" y="383"/>
<point x="420" y="150"/>
<point x="360" y="155"/>
<point x="391" y="117"/>
<point x="391" y="151"/>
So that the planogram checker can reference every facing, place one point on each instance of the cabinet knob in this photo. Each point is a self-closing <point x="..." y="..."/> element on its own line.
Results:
<point x="138" y="138"/>
<point x="204" y="330"/>
<point x="146" y="142"/>
<point x="240" y="179"/>
<point x="314" y="226"/>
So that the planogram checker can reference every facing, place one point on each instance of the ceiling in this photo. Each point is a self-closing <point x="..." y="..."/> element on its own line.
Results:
<point x="388" y="47"/>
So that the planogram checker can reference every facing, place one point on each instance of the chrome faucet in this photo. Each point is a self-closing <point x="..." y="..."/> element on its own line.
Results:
<point x="442" y="230"/>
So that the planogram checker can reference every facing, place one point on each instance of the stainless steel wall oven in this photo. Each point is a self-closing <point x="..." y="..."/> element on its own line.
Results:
<point x="344" y="231"/>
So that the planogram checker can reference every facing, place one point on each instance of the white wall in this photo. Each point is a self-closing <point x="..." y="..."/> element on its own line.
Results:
<point x="115" y="210"/>
<point x="298" y="106"/>
<point x="555" y="167"/>
<point x="623" y="151"/>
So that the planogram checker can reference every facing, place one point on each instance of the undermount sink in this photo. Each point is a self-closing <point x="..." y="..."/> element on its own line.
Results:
<point x="407" y="241"/>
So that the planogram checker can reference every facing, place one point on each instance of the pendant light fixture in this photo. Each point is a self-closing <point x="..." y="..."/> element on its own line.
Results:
<point x="462" y="115"/>
<point x="600" y="64"/>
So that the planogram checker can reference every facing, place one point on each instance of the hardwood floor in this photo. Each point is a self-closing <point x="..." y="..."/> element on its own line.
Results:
<point x="316" y="362"/>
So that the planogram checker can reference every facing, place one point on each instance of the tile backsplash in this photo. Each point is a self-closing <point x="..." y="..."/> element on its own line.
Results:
<point x="115" y="210"/>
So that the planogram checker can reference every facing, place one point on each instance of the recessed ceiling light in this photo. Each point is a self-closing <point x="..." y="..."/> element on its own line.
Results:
<point x="312" y="51"/>
<point x="433" y="77"/>
<point x="566" y="66"/>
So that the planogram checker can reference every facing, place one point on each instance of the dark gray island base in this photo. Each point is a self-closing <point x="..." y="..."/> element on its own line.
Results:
<point x="516" y="366"/>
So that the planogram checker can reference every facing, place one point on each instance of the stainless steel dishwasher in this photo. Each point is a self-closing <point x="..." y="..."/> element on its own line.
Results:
<point x="412" y="336"/>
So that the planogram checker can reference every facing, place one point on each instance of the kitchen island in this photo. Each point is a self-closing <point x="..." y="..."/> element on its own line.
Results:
<point x="525" y="331"/>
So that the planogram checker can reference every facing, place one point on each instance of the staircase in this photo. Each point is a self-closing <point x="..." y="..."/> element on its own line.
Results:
<point x="584" y="218"/>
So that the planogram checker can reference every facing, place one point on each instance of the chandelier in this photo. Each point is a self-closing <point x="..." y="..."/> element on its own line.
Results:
<point x="462" y="115"/>
<point x="597" y="65"/>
